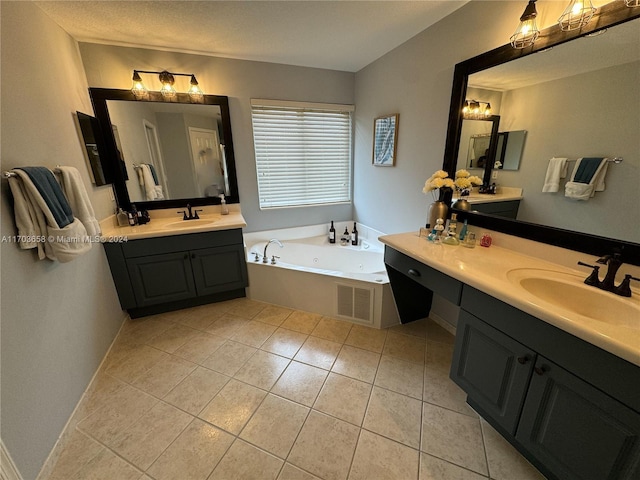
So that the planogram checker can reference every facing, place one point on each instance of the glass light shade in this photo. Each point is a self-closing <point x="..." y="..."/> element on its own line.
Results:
<point x="632" y="3"/>
<point x="195" y="92"/>
<point x="526" y="34"/>
<point x="167" y="81"/>
<point x="138" y="89"/>
<point x="577" y="14"/>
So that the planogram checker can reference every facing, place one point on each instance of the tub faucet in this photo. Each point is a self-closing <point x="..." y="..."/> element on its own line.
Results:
<point x="273" y="240"/>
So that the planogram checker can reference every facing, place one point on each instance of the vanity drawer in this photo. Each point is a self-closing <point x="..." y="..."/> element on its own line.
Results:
<point x="181" y="243"/>
<point x="428" y="277"/>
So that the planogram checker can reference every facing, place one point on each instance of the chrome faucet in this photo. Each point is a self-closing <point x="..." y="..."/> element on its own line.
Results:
<point x="613" y="263"/>
<point x="273" y="240"/>
<point x="189" y="214"/>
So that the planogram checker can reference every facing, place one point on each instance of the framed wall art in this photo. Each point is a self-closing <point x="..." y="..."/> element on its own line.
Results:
<point x="385" y="140"/>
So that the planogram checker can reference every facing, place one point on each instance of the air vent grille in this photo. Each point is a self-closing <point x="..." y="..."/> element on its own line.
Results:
<point x="355" y="303"/>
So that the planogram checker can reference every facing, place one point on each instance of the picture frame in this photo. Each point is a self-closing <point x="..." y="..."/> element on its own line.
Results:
<point x="385" y="140"/>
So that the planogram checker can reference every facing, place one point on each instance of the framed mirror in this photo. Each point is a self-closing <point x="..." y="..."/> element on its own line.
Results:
<point x="166" y="154"/>
<point x="571" y="92"/>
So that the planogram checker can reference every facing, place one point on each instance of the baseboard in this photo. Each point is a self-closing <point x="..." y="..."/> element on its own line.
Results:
<point x="8" y="470"/>
<point x="443" y="323"/>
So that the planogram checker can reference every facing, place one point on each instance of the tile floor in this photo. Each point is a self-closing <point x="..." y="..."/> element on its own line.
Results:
<point x="246" y="390"/>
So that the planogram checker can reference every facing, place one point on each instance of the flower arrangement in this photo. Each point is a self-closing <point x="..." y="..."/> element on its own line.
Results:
<point x="441" y="182"/>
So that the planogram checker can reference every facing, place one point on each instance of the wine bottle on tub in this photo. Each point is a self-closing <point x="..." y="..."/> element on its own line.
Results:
<point x="332" y="233"/>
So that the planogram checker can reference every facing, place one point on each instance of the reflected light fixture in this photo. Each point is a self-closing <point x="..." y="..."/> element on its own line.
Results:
<point x="527" y="31"/>
<point x="475" y="110"/>
<point x="576" y="15"/>
<point x="632" y="3"/>
<point x="168" y="91"/>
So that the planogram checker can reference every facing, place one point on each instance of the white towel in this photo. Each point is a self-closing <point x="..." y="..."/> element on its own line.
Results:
<point x="556" y="170"/>
<point x="78" y="199"/>
<point x="147" y="182"/>
<point x="584" y="191"/>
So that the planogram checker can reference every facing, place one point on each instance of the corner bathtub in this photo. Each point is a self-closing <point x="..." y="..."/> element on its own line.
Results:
<point x="344" y="282"/>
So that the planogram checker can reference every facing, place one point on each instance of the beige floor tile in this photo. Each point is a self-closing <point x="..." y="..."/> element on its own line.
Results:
<point x="233" y="406"/>
<point x="505" y="462"/>
<point x="246" y="308"/>
<point x="318" y="352"/>
<point x="199" y="321"/>
<point x="141" y="330"/>
<point x="78" y="451"/>
<point x="367" y="338"/>
<point x="284" y="342"/>
<point x="194" y="454"/>
<point x="229" y="358"/>
<point x="246" y="462"/>
<point x="200" y="347"/>
<point x="433" y="468"/>
<point x="197" y="390"/>
<point x="99" y="393"/>
<point x="405" y="347"/>
<point x="262" y="370"/>
<point x="439" y="389"/>
<point x="453" y="437"/>
<point x="357" y="363"/>
<point x="273" y="315"/>
<point x="164" y="375"/>
<point x="147" y="438"/>
<point x="302" y="322"/>
<point x="344" y="398"/>
<point x="107" y="466"/>
<point x="332" y="329"/>
<point x="435" y="333"/>
<point x="227" y="325"/>
<point x="173" y="338"/>
<point x="383" y="459"/>
<point x="400" y="376"/>
<point x="416" y="329"/>
<point x="127" y="406"/>
<point x="325" y="447"/>
<point x="290" y="472"/>
<point x="254" y="333"/>
<point x="275" y="425"/>
<point x="135" y="363"/>
<point x="394" y="416"/>
<point x="300" y="383"/>
<point x="215" y="309"/>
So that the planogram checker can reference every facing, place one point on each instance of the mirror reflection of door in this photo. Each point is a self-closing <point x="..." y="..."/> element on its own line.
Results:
<point x="208" y="168"/>
<point x="478" y="150"/>
<point x="155" y="154"/>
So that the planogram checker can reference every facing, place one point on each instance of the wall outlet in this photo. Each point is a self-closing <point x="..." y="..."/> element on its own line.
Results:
<point x="494" y="175"/>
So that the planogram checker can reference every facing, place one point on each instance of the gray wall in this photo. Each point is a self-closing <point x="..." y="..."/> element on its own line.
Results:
<point x="240" y="80"/>
<point x="57" y="320"/>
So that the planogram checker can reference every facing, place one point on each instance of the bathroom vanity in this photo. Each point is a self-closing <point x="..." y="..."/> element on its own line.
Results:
<point x="562" y="386"/>
<point x="170" y="263"/>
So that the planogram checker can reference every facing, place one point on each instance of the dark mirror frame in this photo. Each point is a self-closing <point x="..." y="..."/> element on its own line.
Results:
<point x="99" y="97"/>
<point x="607" y="16"/>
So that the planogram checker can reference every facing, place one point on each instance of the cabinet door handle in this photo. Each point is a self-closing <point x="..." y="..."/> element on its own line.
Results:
<point x="413" y="272"/>
<point x="540" y="370"/>
<point x="523" y="360"/>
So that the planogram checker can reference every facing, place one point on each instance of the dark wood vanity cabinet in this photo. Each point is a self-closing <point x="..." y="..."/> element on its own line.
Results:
<point x="505" y="209"/>
<point x="166" y="273"/>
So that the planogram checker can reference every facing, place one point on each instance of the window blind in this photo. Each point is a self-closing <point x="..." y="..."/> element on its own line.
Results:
<point x="303" y="153"/>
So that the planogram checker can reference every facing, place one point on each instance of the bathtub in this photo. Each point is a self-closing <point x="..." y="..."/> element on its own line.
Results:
<point x="345" y="282"/>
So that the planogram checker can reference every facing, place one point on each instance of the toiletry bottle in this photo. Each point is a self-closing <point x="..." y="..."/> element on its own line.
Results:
<point x="122" y="218"/>
<point x="451" y="239"/>
<point x="354" y="235"/>
<point x="133" y="215"/>
<point x="224" y="210"/>
<point x="332" y="233"/>
<point x="463" y="231"/>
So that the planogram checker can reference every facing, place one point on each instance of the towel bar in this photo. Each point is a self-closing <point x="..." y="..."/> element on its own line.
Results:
<point x="7" y="173"/>
<point x="615" y="160"/>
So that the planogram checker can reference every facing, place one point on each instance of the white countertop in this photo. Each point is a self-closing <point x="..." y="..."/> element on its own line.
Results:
<point x="486" y="269"/>
<point x="504" y="194"/>
<point x="163" y="225"/>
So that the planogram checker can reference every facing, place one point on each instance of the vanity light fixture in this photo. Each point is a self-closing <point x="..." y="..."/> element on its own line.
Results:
<point x="527" y="32"/>
<point x="632" y="3"/>
<point x="167" y="79"/>
<point x="475" y="110"/>
<point x="577" y="14"/>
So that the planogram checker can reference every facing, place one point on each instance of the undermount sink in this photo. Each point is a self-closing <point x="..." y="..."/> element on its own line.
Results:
<point x="568" y="292"/>
<point x="200" y="222"/>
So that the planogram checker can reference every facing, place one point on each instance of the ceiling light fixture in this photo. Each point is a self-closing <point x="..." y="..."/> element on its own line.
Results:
<point x="577" y="14"/>
<point x="527" y="31"/>
<point x="168" y="91"/>
<point x="475" y="110"/>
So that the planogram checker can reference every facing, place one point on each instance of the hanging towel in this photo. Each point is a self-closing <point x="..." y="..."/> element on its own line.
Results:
<point x="153" y="173"/>
<point x="556" y="170"/>
<point x="147" y="182"/>
<point x="78" y="199"/>
<point x="35" y="216"/>
<point x="587" y="178"/>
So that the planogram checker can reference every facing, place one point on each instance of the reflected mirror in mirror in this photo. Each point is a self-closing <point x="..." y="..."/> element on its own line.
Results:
<point x="170" y="151"/>
<point x="93" y="144"/>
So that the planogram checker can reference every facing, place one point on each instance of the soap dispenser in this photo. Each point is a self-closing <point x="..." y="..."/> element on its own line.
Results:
<point x="451" y="239"/>
<point x="224" y="209"/>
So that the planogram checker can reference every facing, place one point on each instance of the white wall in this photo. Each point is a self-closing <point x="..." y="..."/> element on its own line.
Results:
<point x="240" y="80"/>
<point x="57" y="320"/>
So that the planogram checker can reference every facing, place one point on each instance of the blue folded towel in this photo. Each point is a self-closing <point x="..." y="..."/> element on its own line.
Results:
<point x="587" y="169"/>
<point x="153" y="173"/>
<point x="51" y="193"/>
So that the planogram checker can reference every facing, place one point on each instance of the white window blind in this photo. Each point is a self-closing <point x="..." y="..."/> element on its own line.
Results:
<point x="303" y="153"/>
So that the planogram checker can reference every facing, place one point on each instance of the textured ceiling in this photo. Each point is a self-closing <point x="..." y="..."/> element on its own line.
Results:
<point x="339" y="35"/>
